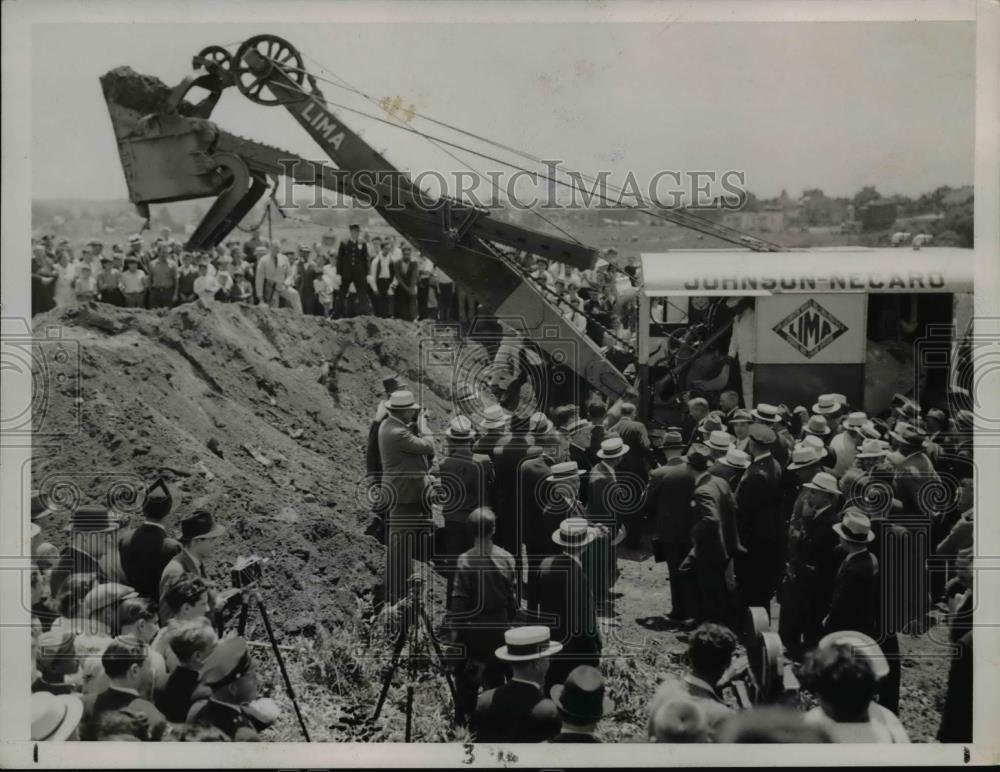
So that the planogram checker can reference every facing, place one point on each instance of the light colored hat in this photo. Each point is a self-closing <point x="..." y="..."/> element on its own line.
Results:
<point x="767" y="413"/>
<point x="855" y="526"/>
<point x="539" y="423"/>
<point x="740" y="415"/>
<point x="814" y="442"/>
<point x="824" y="482"/>
<point x="564" y="470"/>
<point x="854" y="421"/>
<point x="840" y="399"/>
<point x="135" y="238"/>
<point x="613" y="447"/>
<point x="401" y="400"/>
<point x="804" y="455"/>
<point x="460" y="428"/>
<point x="260" y="250"/>
<point x="909" y="436"/>
<point x="574" y="532"/>
<point x="736" y="458"/>
<point x="104" y="595"/>
<point x="817" y="425"/>
<point x="871" y="448"/>
<point x="54" y="716"/>
<point x="860" y="644"/>
<point x="720" y="440"/>
<point x="527" y="643"/>
<point x="826" y="404"/>
<point x="494" y="417"/>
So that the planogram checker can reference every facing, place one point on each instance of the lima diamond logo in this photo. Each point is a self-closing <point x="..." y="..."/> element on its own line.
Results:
<point x="810" y="328"/>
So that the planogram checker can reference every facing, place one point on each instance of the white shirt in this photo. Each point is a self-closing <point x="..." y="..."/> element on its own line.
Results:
<point x="381" y="267"/>
<point x="882" y="726"/>
<point x="743" y="342"/>
<point x="205" y="288"/>
<point x="133" y="282"/>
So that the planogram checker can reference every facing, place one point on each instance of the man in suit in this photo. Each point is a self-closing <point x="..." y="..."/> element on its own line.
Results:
<point x="518" y="711"/>
<point x="483" y="605"/>
<point x="464" y="479"/>
<point x="668" y="499"/>
<point x="633" y="472"/>
<point x="146" y="549"/>
<point x="713" y="539"/>
<point x="406" y="454"/>
<point x="854" y="601"/>
<point x="494" y="423"/>
<point x="405" y="295"/>
<point x="811" y="566"/>
<point x="566" y="601"/>
<point x="93" y="532"/>
<point x="731" y="466"/>
<point x="758" y="498"/>
<point x="199" y="537"/>
<point x="601" y="559"/>
<point x="507" y="453"/>
<point x="352" y="267"/>
<point x="913" y="471"/>
<point x="127" y="663"/>
<point x="582" y="704"/>
<point x="532" y="474"/>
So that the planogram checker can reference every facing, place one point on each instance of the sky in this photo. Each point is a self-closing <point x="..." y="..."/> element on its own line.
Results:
<point x="832" y="105"/>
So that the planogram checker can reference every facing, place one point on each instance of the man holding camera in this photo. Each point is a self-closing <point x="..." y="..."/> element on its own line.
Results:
<point x="405" y="450"/>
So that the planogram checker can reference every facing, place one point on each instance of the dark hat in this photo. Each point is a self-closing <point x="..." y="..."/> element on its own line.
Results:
<point x="228" y="662"/>
<point x="354" y="227"/>
<point x="938" y="415"/>
<point x="391" y="383"/>
<point x="910" y="436"/>
<point x="200" y="524"/>
<point x="699" y="457"/>
<point x="158" y="500"/>
<point x="116" y="248"/>
<point x="91" y="518"/>
<point x="131" y="259"/>
<point x="39" y="509"/>
<point x="581" y="697"/>
<point x="763" y="434"/>
<point x="56" y="644"/>
<point x="105" y="259"/>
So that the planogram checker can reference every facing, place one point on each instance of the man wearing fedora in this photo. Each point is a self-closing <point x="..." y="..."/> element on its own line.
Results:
<point x="739" y="424"/>
<point x="566" y="601"/>
<point x="519" y="711"/>
<point x="582" y="704"/>
<point x="532" y="484"/>
<point x="914" y="471"/>
<point x="831" y="408"/>
<point x="483" y="605"/>
<point x="146" y="549"/>
<point x="854" y="599"/>
<point x="494" y="423"/>
<point x="92" y="539"/>
<point x="405" y="454"/>
<point x="818" y="427"/>
<point x="464" y="480"/>
<point x="758" y="497"/>
<point x="199" y="536"/>
<point x="803" y="463"/>
<point x="811" y="564"/>
<point x="714" y="540"/>
<point x="731" y="465"/>
<point x="845" y="443"/>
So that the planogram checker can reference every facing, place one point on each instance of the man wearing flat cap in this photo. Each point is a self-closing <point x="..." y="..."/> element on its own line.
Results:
<point x="230" y="673"/>
<point x="199" y="536"/>
<point x="518" y="711"/>
<point x="352" y="267"/>
<point x="758" y="498"/>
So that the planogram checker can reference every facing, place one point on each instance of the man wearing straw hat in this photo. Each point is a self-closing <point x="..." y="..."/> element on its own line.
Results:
<point x="603" y="558"/>
<point x="564" y="593"/>
<point x="854" y="599"/>
<point x="812" y="564"/>
<point x="405" y="455"/>
<point x="518" y="711"/>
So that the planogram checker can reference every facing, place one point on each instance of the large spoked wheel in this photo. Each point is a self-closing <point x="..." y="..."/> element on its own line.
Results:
<point x="213" y="57"/>
<point x="271" y="52"/>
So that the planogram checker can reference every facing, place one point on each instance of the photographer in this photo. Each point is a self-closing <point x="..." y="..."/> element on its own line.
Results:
<point x="199" y="535"/>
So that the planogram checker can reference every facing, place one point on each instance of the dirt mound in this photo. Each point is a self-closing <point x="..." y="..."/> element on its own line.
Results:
<point x="226" y="403"/>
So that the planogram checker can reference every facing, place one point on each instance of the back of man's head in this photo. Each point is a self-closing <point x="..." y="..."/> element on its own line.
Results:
<point x="628" y="409"/>
<point x="679" y="721"/>
<point x="710" y="649"/>
<point x="121" y="654"/>
<point x="194" y="638"/>
<point x="482" y="522"/>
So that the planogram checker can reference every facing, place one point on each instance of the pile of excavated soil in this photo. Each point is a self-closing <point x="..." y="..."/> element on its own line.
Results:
<point x="226" y="404"/>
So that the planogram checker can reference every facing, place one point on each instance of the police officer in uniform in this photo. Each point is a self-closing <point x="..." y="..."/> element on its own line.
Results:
<point x="229" y="672"/>
<point x="352" y="266"/>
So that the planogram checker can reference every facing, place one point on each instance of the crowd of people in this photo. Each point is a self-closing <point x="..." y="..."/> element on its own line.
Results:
<point x="849" y="530"/>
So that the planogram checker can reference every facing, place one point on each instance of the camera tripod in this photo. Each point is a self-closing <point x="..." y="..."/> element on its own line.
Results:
<point x="414" y="620"/>
<point x="241" y="629"/>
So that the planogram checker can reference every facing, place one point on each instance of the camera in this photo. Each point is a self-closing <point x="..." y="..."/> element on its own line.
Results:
<point x="247" y="571"/>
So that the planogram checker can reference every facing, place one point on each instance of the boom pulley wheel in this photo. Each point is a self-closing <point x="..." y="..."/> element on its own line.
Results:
<point x="213" y="57"/>
<point x="253" y="76"/>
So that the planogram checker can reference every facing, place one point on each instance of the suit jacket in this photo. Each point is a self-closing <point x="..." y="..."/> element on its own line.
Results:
<point x="573" y="737"/>
<point x="179" y="693"/>
<point x="113" y="699"/>
<point x="912" y="473"/>
<point x="74" y="561"/>
<point x="854" y="604"/>
<point x="145" y="552"/>
<point x="182" y="564"/>
<point x="352" y="265"/>
<point x="599" y="508"/>
<point x="668" y="500"/>
<point x="531" y="474"/>
<point x="565" y="593"/>
<point x="713" y="533"/>
<point x="467" y="480"/>
<point x="405" y="460"/>
<point x="758" y="499"/>
<point x="517" y="712"/>
<point x="730" y="474"/>
<point x="507" y="455"/>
